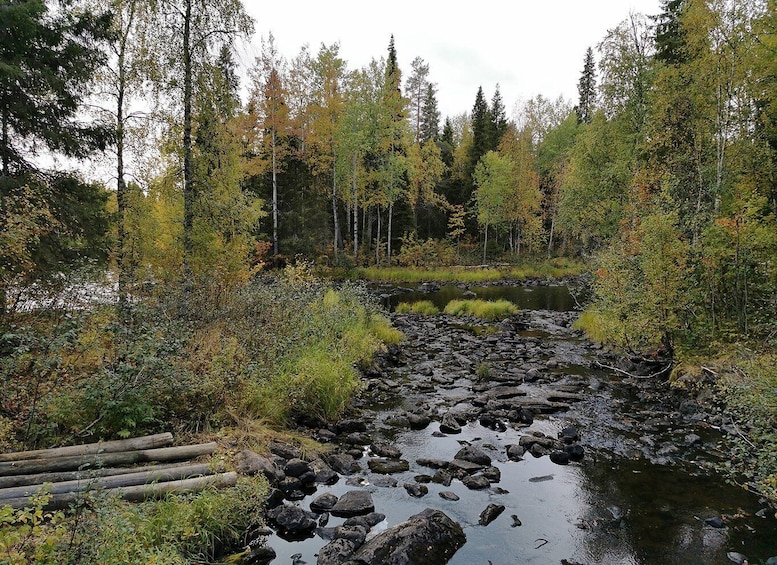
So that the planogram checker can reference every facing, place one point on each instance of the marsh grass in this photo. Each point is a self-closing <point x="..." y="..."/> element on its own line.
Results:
<point x="488" y="310"/>
<point x="424" y="307"/>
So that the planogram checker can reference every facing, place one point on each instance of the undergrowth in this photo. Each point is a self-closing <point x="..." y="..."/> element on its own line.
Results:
<point x="424" y="307"/>
<point x="485" y="309"/>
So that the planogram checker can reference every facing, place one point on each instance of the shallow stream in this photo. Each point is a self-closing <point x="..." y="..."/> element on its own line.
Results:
<point x="640" y="495"/>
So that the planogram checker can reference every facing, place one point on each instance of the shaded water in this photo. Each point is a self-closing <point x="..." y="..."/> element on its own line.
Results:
<point x="609" y="509"/>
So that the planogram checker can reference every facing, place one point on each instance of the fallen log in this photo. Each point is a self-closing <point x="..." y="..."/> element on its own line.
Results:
<point x="137" y="493"/>
<point x="139" y="477"/>
<point x="72" y="463"/>
<point x="132" y="444"/>
<point x="58" y="477"/>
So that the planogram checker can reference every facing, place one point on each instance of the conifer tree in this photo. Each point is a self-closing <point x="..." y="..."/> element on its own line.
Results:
<point x="586" y="88"/>
<point x="498" y="118"/>
<point x="669" y="34"/>
<point x="482" y="130"/>
<point x="416" y="90"/>
<point x="430" y="116"/>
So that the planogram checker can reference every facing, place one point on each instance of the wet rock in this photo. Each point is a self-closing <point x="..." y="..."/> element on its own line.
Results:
<point x="334" y="552"/>
<point x="325" y="436"/>
<point x="490" y="513"/>
<point x="715" y="522"/>
<point x="259" y="555"/>
<point x="353" y="503"/>
<point x="357" y="438"/>
<point x="432" y="463"/>
<point x="387" y="466"/>
<point x="343" y="463"/>
<point x="541" y="479"/>
<point x="515" y="452"/>
<point x="385" y="482"/>
<point x="569" y="435"/>
<point x="538" y="450"/>
<point x="427" y="538"/>
<point x="423" y="479"/>
<point x="539" y="439"/>
<point x="354" y="532"/>
<point x="493" y="474"/>
<point x="368" y="520"/>
<point x="290" y="484"/>
<point x="516" y="522"/>
<point x="323" y="520"/>
<point x="418" y="421"/>
<point x="476" y="482"/>
<point x="449" y="425"/>
<point x="575" y="452"/>
<point x="443" y="477"/>
<point x="473" y="455"/>
<point x="274" y="498"/>
<point x="292" y="520"/>
<point x="385" y="450"/>
<point x="492" y="423"/>
<point x="461" y="467"/>
<point x="323" y="503"/>
<point x="448" y="495"/>
<point x="559" y="457"/>
<point x="736" y="557"/>
<point x="416" y="490"/>
<point x="350" y="426"/>
<point x="249" y="463"/>
<point x="296" y="468"/>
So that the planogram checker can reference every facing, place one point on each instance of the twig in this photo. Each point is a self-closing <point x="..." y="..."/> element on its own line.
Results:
<point x="621" y="371"/>
<point x="543" y="540"/>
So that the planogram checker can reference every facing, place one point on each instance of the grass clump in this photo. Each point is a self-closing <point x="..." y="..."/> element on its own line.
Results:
<point x="418" y="275"/>
<point x="488" y="310"/>
<point x="424" y="307"/>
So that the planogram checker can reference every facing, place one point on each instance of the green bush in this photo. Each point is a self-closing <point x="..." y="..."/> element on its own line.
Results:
<point x="484" y="309"/>
<point x="425" y="307"/>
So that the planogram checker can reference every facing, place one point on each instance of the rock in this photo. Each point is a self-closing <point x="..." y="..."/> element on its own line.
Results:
<point x="334" y="552"/>
<point x="559" y="457"/>
<point x="492" y="423"/>
<point x="296" y="468"/>
<point x="350" y="426"/>
<point x="715" y="522"/>
<point x="418" y="421"/>
<point x="422" y="479"/>
<point x="259" y="555"/>
<point x="427" y="538"/>
<point x="432" y="463"/>
<point x="575" y="452"/>
<point x="249" y="463"/>
<point x="491" y="512"/>
<point x="343" y="463"/>
<point x="353" y="503"/>
<point x="735" y="557"/>
<point x="448" y="495"/>
<point x="541" y="479"/>
<point x="569" y="435"/>
<point x="387" y="466"/>
<point x="473" y="455"/>
<point x="357" y="438"/>
<point x="323" y="503"/>
<point x="477" y="482"/>
<point x="449" y="425"/>
<point x="771" y="561"/>
<point x="443" y="477"/>
<point x="292" y="520"/>
<point x="516" y="522"/>
<point x="416" y="490"/>
<point x="693" y="439"/>
<point x="354" y="532"/>
<point x="459" y="466"/>
<point x="385" y="481"/>
<point x="493" y="474"/>
<point x="290" y="484"/>
<point x="385" y="450"/>
<point x="538" y="450"/>
<point x="368" y="520"/>
<point x="274" y="498"/>
<point x="515" y="452"/>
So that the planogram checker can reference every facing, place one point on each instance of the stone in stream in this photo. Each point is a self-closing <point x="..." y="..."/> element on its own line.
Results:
<point x="418" y="421"/>
<point x="259" y="554"/>
<point x="387" y="466"/>
<point x="569" y="435"/>
<point x="432" y="463"/>
<point x="491" y="513"/>
<point x="385" y="450"/>
<point x="443" y="477"/>
<point x="515" y="452"/>
<point x="448" y="495"/>
<point x="334" y="551"/>
<point x="427" y="538"/>
<point x="323" y="503"/>
<point x="493" y="474"/>
<point x="449" y="425"/>
<point x="343" y="463"/>
<point x="296" y="468"/>
<point x="416" y="490"/>
<point x="576" y="452"/>
<point x="516" y="521"/>
<point x="292" y="520"/>
<point x="368" y="520"/>
<point x="476" y="482"/>
<point x="461" y="467"/>
<point x="559" y="457"/>
<point x="473" y="455"/>
<point x="353" y="503"/>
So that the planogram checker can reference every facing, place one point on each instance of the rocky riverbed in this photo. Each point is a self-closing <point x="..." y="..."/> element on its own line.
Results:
<point x="509" y="442"/>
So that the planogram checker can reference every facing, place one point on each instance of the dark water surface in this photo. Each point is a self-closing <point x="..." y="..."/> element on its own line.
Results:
<point x="608" y="509"/>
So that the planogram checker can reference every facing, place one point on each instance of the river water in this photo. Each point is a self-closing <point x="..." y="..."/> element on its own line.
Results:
<point x="640" y="496"/>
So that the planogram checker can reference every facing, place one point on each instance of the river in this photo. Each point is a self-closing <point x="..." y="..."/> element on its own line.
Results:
<point x="646" y="491"/>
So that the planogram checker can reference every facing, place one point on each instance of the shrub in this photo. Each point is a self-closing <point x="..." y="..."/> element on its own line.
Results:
<point x="484" y="309"/>
<point x="425" y="307"/>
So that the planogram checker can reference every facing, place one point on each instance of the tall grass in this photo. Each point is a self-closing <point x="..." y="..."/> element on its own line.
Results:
<point x="485" y="309"/>
<point x="424" y="307"/>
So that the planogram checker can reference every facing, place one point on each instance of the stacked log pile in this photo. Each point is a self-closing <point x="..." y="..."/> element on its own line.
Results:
<point x="113" y="467"/>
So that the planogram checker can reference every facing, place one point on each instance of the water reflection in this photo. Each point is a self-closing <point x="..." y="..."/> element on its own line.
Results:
<point x="557" y="298"/>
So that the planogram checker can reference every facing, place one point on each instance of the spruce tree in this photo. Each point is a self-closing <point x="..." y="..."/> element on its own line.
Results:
<point x="669" y="36"/>
<point x="586" y="89"/>
<point x="482" y="130"/>
<point x="429" y="128"/>
<point x="498" y="118"/>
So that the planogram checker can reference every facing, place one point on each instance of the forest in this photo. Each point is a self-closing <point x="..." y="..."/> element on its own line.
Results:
<point x="134" y="159"/>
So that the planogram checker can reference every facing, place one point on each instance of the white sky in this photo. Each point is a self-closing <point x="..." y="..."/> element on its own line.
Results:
<point x="529" y="47"/>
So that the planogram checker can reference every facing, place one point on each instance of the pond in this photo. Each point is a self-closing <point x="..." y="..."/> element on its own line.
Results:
<point x="645" y="492"/>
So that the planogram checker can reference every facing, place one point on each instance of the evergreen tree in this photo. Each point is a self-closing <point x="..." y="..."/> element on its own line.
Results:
<point x="669" y="34"/>
<point x="586" y="88"/>
<point x="430" y="117"/>
<point x="416" y="90"/>
<point x="498" y="118"/>
<point x="482" y="130"/>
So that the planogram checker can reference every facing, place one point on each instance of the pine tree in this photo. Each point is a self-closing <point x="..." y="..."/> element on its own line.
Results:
<point x="586" y="89"/>
<point x="416" y="90"/>
<point x="430" y="117"/>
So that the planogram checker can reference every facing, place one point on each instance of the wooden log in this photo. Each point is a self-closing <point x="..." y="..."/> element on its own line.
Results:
<point x="140" y="477"/>
<point x="136" y="493"/>
<point x="180" y="453"/>
<point x="39" y="478"/>
<point x="132" y="444"/>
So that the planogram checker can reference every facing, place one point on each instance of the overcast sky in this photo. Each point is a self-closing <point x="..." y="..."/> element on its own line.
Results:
<point x="529" y="47"/>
